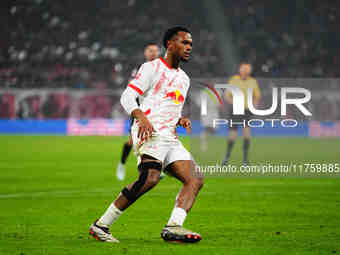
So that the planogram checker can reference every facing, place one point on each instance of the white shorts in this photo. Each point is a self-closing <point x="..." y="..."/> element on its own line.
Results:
<point x="164" y="150"/>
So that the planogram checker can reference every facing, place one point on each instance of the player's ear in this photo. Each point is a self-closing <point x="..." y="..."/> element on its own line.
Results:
<point x="169" y="45"/>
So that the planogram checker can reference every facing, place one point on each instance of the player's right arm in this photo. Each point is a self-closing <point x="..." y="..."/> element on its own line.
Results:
<point x="145" y="127"/>
<point x="137" y="87"/>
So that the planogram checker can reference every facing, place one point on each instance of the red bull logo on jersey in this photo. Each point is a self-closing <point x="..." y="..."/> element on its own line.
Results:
<point x="176" y="96"/>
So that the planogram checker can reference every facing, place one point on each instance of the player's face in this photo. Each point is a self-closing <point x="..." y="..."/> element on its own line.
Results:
<point x="182" y="45"/>
<point x="151" y="52"/>
<point x="245" y="70"/>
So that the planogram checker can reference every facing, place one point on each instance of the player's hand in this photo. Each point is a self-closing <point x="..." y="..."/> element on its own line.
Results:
<point x="186" y="123"/>
<point x="145" y="128"/>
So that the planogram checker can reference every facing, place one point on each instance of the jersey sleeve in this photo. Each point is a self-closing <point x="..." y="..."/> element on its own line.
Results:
<point x="128" y="100"/>
<point x="142" y="81"/>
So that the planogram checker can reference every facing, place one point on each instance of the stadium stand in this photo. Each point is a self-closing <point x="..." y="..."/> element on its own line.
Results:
<point x="97" y="43"/>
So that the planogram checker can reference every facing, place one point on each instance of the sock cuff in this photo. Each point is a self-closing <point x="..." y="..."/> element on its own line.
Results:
<point x="112" y="214"/>
<point x="115" y="209"/>
<point x="178" y="216"/>
<point x="180" y="211"/>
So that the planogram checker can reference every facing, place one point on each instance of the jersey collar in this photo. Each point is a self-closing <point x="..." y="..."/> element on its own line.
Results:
<point x="167" y="65"/>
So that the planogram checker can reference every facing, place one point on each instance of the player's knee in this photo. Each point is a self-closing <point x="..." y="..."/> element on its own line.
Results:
<point x="152" y="168"/>
<point x="246" y="136"/>
<point x="153" y="178"/>
<point x="233" y="134"/>
<point x="148" y="178"/>
<point x="246" y="133"/>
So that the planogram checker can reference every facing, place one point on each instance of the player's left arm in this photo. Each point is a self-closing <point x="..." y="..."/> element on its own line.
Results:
<point x="256" y="93"/>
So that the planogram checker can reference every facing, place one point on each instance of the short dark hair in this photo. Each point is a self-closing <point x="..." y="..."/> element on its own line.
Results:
<point x="169" y="34"/>
<point x="150" y="44"/>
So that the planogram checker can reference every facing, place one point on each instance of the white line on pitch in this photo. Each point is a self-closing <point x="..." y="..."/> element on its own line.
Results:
<point x="160" y="193"/>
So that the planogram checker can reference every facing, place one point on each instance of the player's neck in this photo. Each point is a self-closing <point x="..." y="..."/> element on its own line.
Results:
<point x="172" y="61"/>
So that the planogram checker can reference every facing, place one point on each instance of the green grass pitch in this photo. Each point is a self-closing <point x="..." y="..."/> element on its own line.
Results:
<point x="53" y="188"/>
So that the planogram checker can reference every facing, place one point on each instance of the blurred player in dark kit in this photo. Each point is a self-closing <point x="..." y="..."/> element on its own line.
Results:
<point x="151" y="52"/>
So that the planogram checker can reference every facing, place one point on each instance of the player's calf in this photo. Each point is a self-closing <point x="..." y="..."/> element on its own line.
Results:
<point x="189" y="192"/>
<point x="196" y="183"/>
<point x="148" y="178"/>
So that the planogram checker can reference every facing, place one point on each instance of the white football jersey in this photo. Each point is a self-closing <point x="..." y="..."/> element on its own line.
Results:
<point x="163" y="91"/>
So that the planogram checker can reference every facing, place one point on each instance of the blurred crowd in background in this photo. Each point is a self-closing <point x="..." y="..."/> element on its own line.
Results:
<point x="96" y="44"/>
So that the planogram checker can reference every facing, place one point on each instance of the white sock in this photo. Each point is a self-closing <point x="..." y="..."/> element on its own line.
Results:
<point x="177" y="217"/>
<point x="111" y="215"/>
